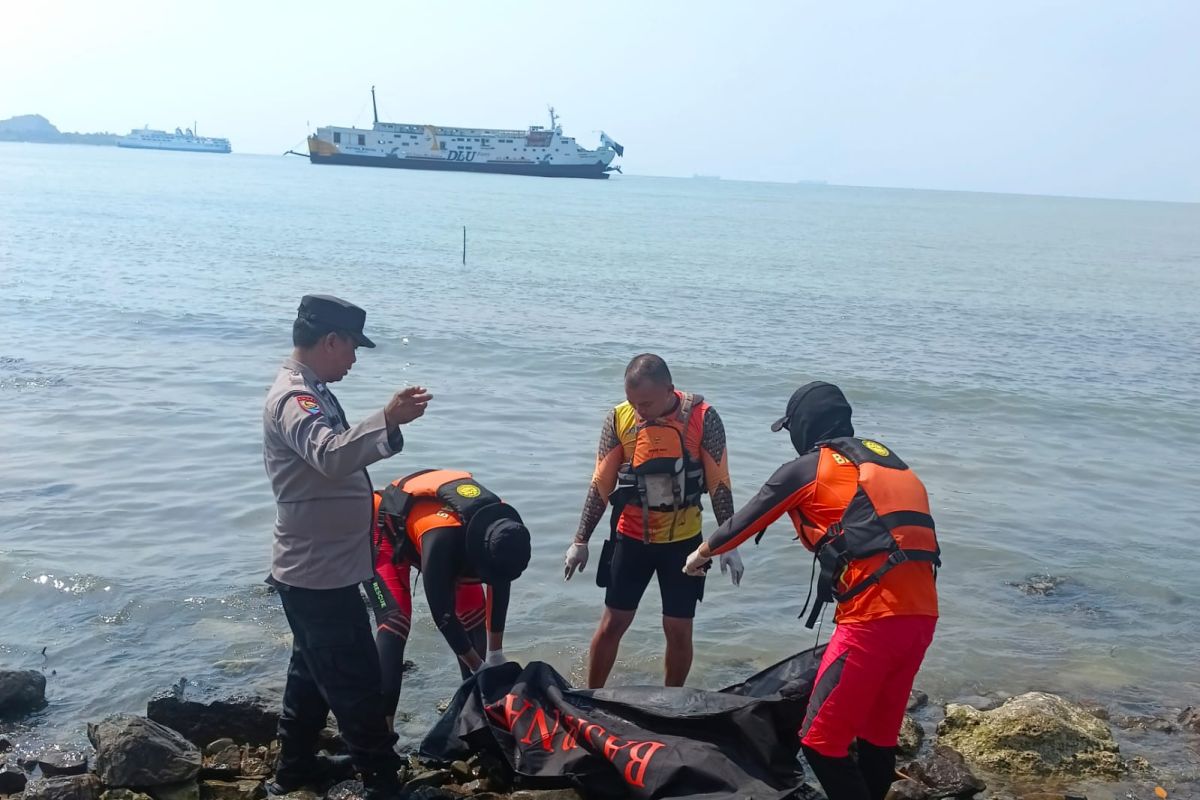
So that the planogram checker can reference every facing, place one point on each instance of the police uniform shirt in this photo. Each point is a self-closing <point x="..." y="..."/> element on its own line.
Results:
<point x="317" y="465"/>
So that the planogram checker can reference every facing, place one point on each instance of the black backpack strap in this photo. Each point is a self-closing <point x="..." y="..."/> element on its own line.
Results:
<point x="895" y="559"/>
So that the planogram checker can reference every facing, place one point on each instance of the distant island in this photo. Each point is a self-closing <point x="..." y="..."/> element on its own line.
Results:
<point x="36" y="128"/>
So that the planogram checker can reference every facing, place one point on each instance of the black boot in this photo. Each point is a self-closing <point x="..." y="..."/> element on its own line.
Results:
<point x="317" y="772"/>
<point x="839" y="777"/>
<point x="878" y="768"/>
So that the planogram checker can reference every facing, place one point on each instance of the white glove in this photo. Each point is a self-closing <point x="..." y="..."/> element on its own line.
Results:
<point x="732" y="562"/>
<point x="495" y="658"/>
<point x="696" y="564"/>
<point x="577" y="556"/>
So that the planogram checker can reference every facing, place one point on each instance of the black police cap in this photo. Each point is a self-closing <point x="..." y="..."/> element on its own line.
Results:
<point x="334" y="313"/>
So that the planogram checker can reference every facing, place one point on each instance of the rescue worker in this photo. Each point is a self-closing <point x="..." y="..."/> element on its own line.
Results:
<point x="461" y="537"/>
<point x="865" y="515"/>
<point x="660" y="451"/>
<point x="317" y="463"/>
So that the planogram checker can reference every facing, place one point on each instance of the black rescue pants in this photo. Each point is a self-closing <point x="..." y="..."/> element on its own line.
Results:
<point x="334" y="667"/>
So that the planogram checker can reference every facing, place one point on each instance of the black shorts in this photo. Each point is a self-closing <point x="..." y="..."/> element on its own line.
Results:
<point x="634" y="562"/>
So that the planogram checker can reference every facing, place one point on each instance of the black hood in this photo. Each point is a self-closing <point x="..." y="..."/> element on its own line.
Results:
<point x="816" y="411"/>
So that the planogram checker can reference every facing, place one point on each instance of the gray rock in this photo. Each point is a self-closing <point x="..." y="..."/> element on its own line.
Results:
<point x="917" y="700"/>
<point x="5" y="745"/>
<point x="461" y="771"/>
<point x="249" y="719"/>
<point x="232" y="790"/>
<point x="429" y="777"/>
<point x="135" y="751"/>
<point x="1189" y="719"/>
<point x="70" y="787"/>
<point x="1041" y="585"/>
<point x="911" y="737"/>
<point x="21" y="691"/>
<point x="1033" y="735"/>
<point x="123" y="794"/>
<point x="185" y="790"/>
<point x="55" y="765"/>
<point x="946" y="774"/>
<point x="1145" y="723"/>
<point x="12" y="781"/>
<point x="346" y="790"/>
<point x="908" y="789"/>
<point x="213" y="749"/>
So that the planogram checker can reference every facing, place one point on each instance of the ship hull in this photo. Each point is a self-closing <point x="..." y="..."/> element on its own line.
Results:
<point x="177" y="148"/>
<point x="598" y="170"/>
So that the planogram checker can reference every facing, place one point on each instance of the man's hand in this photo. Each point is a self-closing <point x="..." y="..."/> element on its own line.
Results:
<point x="732" y="562"/>
<point x="406" y="405"/>
<point x="698" y="562"/>
<point x="577" y="557"/>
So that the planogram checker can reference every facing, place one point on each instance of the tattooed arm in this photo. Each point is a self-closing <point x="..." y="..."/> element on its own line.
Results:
<point x="716" y="465"/>
<point x="604" y="480"/>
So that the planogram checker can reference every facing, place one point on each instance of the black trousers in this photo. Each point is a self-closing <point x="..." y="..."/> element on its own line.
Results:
<point x="334" y="667"/>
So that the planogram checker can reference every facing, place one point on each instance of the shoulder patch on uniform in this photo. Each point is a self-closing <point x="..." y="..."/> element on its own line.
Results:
<point x="308" y="403"/>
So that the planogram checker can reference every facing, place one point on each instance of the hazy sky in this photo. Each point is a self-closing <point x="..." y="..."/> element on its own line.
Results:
<point x="1080" y="97"/>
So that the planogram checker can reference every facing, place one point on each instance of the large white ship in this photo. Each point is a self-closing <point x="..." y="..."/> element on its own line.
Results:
<point x="537" y="151"/>
<point x="148" y="139"/>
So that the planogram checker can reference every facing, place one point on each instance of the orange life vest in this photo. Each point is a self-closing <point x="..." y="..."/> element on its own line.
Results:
<point x="888" y="515"/>
<point x="453" y="488"/>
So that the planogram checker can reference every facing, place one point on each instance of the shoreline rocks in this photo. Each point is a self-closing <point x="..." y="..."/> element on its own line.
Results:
<point x="249" y="719"/>
<point x="21" y="691"/>
<point x="135" y="751"/>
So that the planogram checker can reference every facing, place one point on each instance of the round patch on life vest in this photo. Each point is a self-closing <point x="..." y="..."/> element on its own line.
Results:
<point x="876" y="448"/>
<point x="468" y="490"/>
<point x="308" y="403"/>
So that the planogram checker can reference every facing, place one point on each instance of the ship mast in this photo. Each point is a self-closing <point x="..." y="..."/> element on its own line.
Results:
<point x="553" y="120"/>
<point x="374" y="108"/>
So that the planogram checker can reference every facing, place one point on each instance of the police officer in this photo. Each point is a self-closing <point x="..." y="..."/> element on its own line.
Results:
<point x="322" y="549"/>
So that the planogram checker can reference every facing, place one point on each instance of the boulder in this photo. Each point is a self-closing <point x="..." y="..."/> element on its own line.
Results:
<point x="249" y="719"/>
<point x="70" y="787"/>
<point x="12" y="781"/>
<point x="232" y="790"/>
<point x="1034" y="734"/>
<point x="945" y="774"/>
<point x="123" y="794"/>
<point x="55" y="765"/>
<point x="135" y="751"/>
<point x="908" y="789"/>
<point x="21" y="691"/>
<point x="184" y="790"/>
<point x="911" y="737"/>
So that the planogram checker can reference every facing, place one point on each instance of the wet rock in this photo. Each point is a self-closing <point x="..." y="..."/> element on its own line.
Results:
<point x="1189" y="719"/>
<point x="70" y="787"/>
<point x="123" y="794"/>
<point x="222" y="761"/>
<point x="5" y="745"/>
<point x="945" y="774"/>
<point x="429" y="777"/>
<point x="249" y="719"/>
<point x="1034" y="734"/>
<point x="21" y="691"/>
<point x="232" y="790"/>
<point x="27" y="763"/>
<point x="1098" y="711"/>
<point x="917" y="700"/>
<point x="135" y="751"/>
<point x="433" y="793"/>
<point x="461" y="771"/>
<point x="12" y="781"/>
<point x="908" y="789"/>
<point x="55" y="765"/>
<point x="254" y="763"/>
<point x="911" y="737"/>
<point x="299" y="794"/>
<point x="186" y="790"/>
<point x="346" y="790"/>
<point x="1145" y="723"/>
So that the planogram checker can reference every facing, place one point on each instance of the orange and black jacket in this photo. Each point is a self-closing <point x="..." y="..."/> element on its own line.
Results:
<point x="815" y="490"/>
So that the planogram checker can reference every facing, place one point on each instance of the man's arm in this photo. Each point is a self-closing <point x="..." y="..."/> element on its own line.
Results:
<point x="715" y="458"/>
<point x="789" y="487"/>
<point x="604" y="479"/>
<point x="306" y="429"/>
<point x="440" y="553"/>
<point x="497" y="613"/>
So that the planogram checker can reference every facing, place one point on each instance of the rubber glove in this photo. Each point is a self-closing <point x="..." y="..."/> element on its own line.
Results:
<point x="577" y="556"/>
<point x="732" y="562"/>
<point x="495" y="658"/>
<point x="697" y="564"/>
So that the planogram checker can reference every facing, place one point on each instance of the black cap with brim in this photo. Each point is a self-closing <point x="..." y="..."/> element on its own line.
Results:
<point x="336" y="314"/>
<point x="498" y="544"/>
<point x="816" y="411"/>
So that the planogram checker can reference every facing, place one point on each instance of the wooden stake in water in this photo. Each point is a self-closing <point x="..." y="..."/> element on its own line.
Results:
<point x="464" y="245"/>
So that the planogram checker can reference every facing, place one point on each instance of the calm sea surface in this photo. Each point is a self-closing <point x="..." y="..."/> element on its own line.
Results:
<point x="1034" y="359"/>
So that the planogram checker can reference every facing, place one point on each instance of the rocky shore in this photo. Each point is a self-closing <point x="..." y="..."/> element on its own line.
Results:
<point x="1034" y="746"/>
